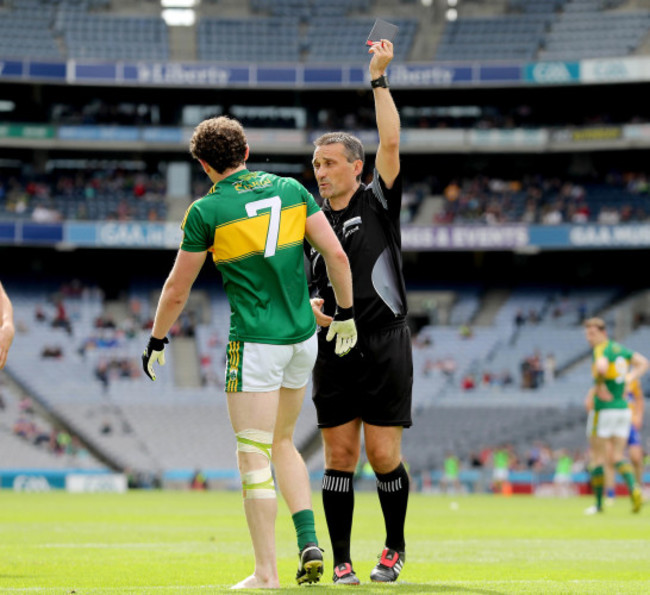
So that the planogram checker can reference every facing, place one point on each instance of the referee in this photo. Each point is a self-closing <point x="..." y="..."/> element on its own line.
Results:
<point x="371" y="387"/>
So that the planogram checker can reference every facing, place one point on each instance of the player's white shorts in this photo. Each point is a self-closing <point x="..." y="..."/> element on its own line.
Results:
<point x="261" y="367"/>
<point x="608" y="423"/>
<point x="500" y="474"/>
<point x="562" y="478"/>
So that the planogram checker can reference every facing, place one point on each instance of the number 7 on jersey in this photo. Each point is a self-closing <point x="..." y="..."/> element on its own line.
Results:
<point x="275" y="204"/>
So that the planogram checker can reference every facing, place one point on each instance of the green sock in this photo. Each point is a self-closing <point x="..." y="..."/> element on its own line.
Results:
<point x="597" y="484"/>
<point x="627" y="473"/>
<point x="303" y="521"/>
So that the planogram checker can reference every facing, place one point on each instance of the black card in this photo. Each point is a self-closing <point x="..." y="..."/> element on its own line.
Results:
<point x="382" y="30"/>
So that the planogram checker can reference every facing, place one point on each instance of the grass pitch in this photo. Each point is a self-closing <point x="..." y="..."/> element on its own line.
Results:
<point x="176" y="542"/>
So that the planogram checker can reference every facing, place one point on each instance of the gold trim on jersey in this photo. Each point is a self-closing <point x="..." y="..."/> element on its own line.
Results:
<point x="242" y="238"/>
<point x="233" y="367"/>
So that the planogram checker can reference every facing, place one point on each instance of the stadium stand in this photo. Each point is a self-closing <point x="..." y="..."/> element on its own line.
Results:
<point x="83" y="195"/>
<point x="585" y="31"/>
<point x="108" y="37"/>
<point x="530" y="29"/>
<point x="137" y="424"/>
<point x="546" y="201"/>
<point x="25" y="31"/>
<point x="162" y="428"/>
<point x="246" y="40"/>
<point x="28" y="440"/>
<point x="546" y="30"/>
<point x="483" y="38"/>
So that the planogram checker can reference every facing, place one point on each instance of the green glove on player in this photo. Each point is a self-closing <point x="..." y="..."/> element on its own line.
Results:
<point x="154" y="352"/>
<point x="344" y="329"/>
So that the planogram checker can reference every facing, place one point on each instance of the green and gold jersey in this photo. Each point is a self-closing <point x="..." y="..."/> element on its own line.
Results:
<point x="253" y="223"/>
<point x="501" y="459"/>
<point x="619" y="363"/>
<point x="451" y="467"/>
<point x="564" y="465"/>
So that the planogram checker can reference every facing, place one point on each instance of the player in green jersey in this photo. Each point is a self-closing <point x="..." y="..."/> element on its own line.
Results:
<point x="6" y="326"/>
<point x="254" y="225"/>
<point x="614" y="369"/>
<point x="451" y="474"/>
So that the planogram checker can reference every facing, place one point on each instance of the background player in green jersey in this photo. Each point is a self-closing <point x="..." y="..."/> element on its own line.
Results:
<point x="254" y="225"/>
<point x="614" y="368"/>
<point x="451" y="474"/>
<point x="6" y="326"/>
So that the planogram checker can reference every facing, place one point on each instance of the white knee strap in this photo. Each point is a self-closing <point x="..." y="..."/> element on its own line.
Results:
<point x="256" y="441"/>
<point x="257" y="484"/>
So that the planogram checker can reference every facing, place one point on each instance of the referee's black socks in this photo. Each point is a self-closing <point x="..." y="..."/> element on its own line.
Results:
<point x="393" y="489"/>
<point x="338" y="502"/>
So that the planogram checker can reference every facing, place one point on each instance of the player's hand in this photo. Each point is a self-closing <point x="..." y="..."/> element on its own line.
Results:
<point x="343" y="328"/>
<point x="637" y="421"/>
<point x="154" y="352"/>
<point x="317" y="308"/>
<point x="602" y="366"/>
<point x="382" y="54"/>
<point x="603" y="393"/>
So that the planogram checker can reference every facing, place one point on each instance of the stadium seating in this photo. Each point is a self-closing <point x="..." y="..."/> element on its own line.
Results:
<point x="249" y="40"/>
<point x="492" y="38"/>
<point x="89" y="36"/>
<point x="582" y="32"/>
<point x="153" y="427"/>
<point x="70" y="29"/>
<point x="161" y="427"/>
<point x="25" y="31"/>
<point x="83" y="196"/>
<point x="546" y="30"/>
<point x="34" y="450"/>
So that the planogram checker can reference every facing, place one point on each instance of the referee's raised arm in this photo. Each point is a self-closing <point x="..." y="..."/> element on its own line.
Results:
<point x="388" y="122"/>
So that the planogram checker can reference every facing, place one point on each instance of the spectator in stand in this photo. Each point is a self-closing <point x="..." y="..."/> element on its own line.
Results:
<point x="505" y="378"/>
<point x="520" y="319"/>
<point x="448" y="366"/>
<point x="43" y="213"/>
<point x="61" y="319"/>
<point x="549" y="369"/>
<point x="468" y="382"/>
<point x="465" y="331"/>
<point x="487" y="379"/>
<point x="39" y="313"/>
<point x="52" y="351"/>
<point x="531" y="371"/>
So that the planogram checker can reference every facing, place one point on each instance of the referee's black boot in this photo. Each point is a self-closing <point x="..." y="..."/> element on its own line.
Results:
<point x="389" y="566"/>
<point x="310" y="567"/>
<point x="344" y="575"/>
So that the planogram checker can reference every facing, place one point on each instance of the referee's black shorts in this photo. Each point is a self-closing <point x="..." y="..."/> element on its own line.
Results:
<point x="374" y="381"/>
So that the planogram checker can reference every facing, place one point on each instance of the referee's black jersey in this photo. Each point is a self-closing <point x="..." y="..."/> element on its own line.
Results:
<point x="369" y="231"/>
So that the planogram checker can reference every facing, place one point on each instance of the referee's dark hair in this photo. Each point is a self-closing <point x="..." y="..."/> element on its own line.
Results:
<point x="352" y="145"/>
<point x="221" y="142"/>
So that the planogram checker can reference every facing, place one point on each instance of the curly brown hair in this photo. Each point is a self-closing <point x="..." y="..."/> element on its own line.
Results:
<point x="221" y="142"/>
